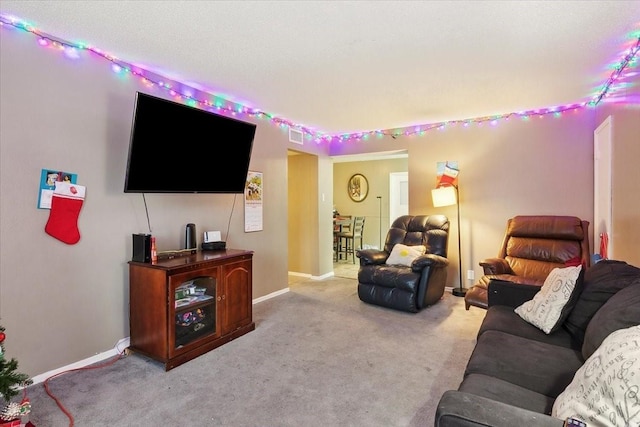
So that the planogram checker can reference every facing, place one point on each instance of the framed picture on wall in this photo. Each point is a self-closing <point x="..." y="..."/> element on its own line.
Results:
<point x="358" y="187"/>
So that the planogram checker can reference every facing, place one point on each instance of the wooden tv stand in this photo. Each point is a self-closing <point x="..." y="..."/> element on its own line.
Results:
<point x="183" y="307"/>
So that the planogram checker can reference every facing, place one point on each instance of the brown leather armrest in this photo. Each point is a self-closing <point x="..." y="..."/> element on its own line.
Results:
<point x="495" y="266"/>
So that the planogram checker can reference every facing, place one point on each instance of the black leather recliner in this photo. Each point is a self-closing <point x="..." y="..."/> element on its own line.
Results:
<point x="402" y="287"/>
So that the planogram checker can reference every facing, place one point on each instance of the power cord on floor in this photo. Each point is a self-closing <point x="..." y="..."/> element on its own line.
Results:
<point x="114" y="359"/>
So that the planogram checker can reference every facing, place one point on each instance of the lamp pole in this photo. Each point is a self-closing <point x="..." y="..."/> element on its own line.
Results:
<point x="460" y="291"/>
<point x="380" y="222"/>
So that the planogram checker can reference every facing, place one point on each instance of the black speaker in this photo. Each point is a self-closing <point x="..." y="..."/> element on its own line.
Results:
<point x="141" y="248"/>
<point x="190" y="237"/>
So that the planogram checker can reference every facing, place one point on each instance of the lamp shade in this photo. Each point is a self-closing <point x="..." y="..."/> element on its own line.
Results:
<point x="444" y="196"/>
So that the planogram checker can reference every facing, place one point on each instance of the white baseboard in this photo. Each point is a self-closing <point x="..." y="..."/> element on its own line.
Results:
<point x="271" y="295"/>
<point x="295" y="273"/>
<point x="324" y="276"/>
<point x="120" y="346"/>
<point x="309" y="276"/>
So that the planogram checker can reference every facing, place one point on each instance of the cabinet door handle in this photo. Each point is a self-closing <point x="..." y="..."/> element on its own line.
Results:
<point x="219" y="298"/>
<point x="223" y="296"/>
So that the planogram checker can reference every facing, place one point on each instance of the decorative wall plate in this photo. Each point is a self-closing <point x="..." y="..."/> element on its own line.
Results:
<point x="358" y="187"/>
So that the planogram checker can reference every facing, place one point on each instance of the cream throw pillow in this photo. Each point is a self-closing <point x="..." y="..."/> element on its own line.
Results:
<point x="545" y="308"/>
<point x="404" y="255"/>
<point x="604" y="391"/>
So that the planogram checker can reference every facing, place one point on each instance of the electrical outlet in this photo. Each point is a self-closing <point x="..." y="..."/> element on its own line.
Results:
<point x="471" y="275"/>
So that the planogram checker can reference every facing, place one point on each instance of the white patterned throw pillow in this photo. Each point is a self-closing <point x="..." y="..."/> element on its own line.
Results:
<point x="545" y="309"/>
<point x="404" y="255"/>
<point x="605" y="390"/>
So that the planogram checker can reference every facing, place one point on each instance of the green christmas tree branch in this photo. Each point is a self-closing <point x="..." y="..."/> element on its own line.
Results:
<point x="10" y="379"/>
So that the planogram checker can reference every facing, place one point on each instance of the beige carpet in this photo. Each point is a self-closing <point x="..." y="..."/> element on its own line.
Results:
<point x="318" y="357"/>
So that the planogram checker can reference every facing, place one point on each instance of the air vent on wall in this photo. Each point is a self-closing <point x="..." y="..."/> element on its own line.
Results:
<point x="296" y="136"/>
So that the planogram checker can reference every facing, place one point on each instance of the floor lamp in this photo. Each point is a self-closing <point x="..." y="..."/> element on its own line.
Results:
<point x="448" y="195"/>
<point x="380" y="222"/>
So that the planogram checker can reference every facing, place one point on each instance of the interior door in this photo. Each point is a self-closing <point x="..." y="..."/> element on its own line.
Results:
<point x="602" y="186"/>
<point x="398" y="195"/>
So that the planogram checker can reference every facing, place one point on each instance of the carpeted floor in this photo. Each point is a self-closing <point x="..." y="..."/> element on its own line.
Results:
<point x="318" y="357"/>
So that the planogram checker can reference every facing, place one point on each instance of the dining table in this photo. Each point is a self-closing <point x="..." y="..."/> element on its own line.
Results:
<point x="340" y="222"/>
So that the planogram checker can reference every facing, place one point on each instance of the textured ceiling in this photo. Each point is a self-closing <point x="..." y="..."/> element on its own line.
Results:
<point x="348" y="66"/>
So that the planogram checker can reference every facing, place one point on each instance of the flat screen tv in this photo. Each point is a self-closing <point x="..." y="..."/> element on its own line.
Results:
<point x="175" y="148"/>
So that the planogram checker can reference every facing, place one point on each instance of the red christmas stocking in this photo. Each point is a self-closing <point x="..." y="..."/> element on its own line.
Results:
<point x="65" y="208"/>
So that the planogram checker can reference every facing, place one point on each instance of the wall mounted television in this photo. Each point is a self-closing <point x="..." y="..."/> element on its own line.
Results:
<point x="175" y="148"/>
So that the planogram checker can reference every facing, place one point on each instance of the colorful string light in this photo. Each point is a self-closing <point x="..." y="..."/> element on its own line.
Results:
<point x="205" y="100"/>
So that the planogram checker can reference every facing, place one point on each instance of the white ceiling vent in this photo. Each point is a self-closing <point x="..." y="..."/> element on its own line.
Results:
<point x="296" y="136"/>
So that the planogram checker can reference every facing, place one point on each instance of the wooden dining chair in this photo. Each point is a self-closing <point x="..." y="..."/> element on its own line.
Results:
<point x="347" y="239"/>
<point x="341" y="224"/>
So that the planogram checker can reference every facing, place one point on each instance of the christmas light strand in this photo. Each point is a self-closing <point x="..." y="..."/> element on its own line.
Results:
<point x="626" y="62"/>
<point x="193" y="97"/>
<point x="211" y="102"/>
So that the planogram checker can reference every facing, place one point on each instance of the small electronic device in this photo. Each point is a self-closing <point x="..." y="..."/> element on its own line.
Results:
<point x="214" y="246"/>
<point x="190" y="237"/>
<point x="141" y="248"/>
<point x="212" y="236"/>
<point x="574" y="422"/>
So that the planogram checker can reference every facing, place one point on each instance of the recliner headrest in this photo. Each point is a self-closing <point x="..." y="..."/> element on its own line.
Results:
<point x="546" y="226"/>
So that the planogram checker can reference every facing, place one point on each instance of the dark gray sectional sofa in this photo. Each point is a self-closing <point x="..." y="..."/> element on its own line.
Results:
<point x="516" y="371"/>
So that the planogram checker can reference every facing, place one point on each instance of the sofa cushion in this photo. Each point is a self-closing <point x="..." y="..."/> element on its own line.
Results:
<point x="505" y="392"/>
<point x="503" y="318"/>
<point x="621" y="311"/>
<point x="404" y="255"/>
<point x="551" y="305"/>
<point x="604" y="391"/>
<point x="544" y="368"/>
<point x="601" y="281"/>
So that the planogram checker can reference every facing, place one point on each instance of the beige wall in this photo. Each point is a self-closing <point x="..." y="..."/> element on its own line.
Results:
<point x="377" y="174"/>
<point x="521" y="167"/>
<point x="75" y="115"/>
<point x="517" y="167"/>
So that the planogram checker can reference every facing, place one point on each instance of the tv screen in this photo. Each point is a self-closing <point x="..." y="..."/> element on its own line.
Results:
<point x="175" y="148"/>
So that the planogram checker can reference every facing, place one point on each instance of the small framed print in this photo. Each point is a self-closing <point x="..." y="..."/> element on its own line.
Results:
<point x="358" y="187"/>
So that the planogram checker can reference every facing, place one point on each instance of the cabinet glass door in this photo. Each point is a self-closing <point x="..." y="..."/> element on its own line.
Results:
<point x="193" y="310"/>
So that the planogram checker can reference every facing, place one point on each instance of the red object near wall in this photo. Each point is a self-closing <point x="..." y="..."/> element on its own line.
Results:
<point x="604" y="245"/>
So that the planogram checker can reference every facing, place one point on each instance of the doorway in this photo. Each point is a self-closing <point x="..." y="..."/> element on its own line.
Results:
<point x="602" y="187"/>
<point x="398" y="195"/>
<point x="302" y="213"/>
<point x="378" y="168"/>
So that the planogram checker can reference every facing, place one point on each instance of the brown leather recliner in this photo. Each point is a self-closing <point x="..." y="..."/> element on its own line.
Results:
<point x="533" y="245"/>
